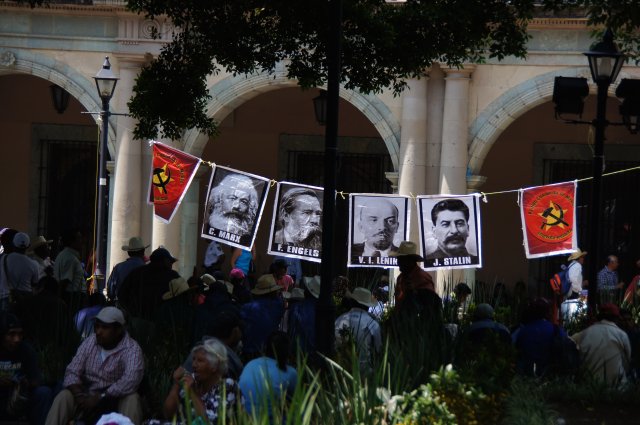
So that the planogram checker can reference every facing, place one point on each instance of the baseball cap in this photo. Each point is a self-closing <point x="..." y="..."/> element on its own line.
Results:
<point x="111" y="315"/>
<point x="162" y="254"/>
<point x="21" y="240"/>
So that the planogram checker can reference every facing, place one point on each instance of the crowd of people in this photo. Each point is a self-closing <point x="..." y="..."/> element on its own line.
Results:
<point x="242" y="337"/>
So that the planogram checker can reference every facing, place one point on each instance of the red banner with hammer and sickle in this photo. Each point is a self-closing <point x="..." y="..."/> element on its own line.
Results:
<point x="549" y="219"/>
<point x="171" y="174"/>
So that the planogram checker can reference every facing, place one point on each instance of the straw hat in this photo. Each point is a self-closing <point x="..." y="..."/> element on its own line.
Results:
<point x="135" y="244"/>
<point x="38" y="242"/>
<point x="407" y="249"/>
<point x="577" y="254"/>
<point x="296" y="294"/>
<point x="313" y="285"/>
<point x="361" y="296"/>
<point x="176" y="287"/>
<point x="266" y="284"/>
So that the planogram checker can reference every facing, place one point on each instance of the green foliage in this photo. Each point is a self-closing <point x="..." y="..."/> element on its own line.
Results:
<point x="526" y="405"/>
<point x="382" y="46"/>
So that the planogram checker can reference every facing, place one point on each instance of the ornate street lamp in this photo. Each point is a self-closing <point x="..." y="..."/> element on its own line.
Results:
<point x="605" y="62"/>
<point x="106" y="84"/>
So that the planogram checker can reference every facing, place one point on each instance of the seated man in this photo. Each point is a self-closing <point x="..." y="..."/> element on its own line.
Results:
<point x="20" y="375"/>
<point x="103" y="376"/>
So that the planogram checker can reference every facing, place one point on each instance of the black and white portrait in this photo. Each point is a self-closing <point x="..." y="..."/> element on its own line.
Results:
<point x="377" y="225"/>
<point x="296" y="230"/>
<point x="450" y="231"/>
<point x="234" y="205"/>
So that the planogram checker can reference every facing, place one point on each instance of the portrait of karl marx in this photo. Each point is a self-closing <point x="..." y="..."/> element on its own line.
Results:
<point x="233" y="205"/>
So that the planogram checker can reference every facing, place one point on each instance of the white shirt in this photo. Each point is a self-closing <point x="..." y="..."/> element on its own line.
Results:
<point x="21" y="273"/>
<point x="575" y="276"/>
<point x="605" y="350"/>
<point x="212" y="254"/>
<point x="364" y="331"/>
<point x="68" y="267"/>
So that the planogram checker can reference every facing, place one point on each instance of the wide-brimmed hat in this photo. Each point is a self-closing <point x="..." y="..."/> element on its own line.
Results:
<point x="313" y="285"/>
<point x="135" y="244"/>
<point x="266" y="284"/>
<point x="177" y="286"/>
<point x="361" y="296"/>
<point x="296" y="294"/>
<point x="38" y="242"/>
<point x="407" y="249"/>
<point x="577" y="254"/>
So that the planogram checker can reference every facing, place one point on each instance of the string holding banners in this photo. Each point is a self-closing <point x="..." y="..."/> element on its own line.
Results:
<point x="296" y="228"/>
<point x="377" y="225"/>
<point x="450" y="231"/>
<point x="234" y="206"/>
<point x="548" y="219"/>
<point x="172" y="172"/>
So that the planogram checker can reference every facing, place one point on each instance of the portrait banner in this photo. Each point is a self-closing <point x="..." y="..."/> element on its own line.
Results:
<point x="548" y="219"/>
<point x="235" y="201"/>
<point x="377" y="225"/>
<point x="172" y="171"/>
<point x="296" y="228"/>
<point x="450" y="231"/>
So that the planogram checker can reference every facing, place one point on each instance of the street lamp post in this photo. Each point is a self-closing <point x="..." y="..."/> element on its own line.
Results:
<point x="605" y="62"/>
<point x="325" y="315"/>
<point x="106" y="84"/>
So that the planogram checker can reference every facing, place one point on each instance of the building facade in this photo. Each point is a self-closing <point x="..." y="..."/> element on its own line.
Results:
<point x="483" y="128"/>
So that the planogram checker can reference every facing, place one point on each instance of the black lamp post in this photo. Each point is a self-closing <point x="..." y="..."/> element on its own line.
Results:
<point x="106" y="83"/>
<point x="605" y="62"/>
<point x="325" y="313"/>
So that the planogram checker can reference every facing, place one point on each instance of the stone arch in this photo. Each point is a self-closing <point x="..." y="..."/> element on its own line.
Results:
<point x="50" y="69"/>
<point x="231" y="92"/>
<point x="513" y="103"/>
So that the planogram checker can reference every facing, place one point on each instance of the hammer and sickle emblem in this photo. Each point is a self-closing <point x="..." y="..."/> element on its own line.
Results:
<point x="161" y="178"/>
<point x="553" y="216"/>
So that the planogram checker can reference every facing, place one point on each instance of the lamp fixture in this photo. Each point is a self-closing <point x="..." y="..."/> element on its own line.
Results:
<point x="320" y="107"/>
<point x="59" y="97"/>
<point x="605" y="60"/>
<point x="106" y="81"/>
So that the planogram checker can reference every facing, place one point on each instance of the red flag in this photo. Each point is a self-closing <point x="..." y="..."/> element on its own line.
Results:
<point x="171" y="174"/>
<point x="548" y="219"/>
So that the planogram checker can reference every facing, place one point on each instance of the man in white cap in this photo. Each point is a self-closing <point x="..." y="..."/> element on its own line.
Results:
<point x="103" y="376"/>
<point x="576" y="260"/>
<point x="135" y="248"/>
<point x="40" y="251"/>
<point x="17" y="272"/>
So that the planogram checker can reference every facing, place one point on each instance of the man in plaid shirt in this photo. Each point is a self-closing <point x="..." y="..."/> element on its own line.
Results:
<point x="103" y="376"/>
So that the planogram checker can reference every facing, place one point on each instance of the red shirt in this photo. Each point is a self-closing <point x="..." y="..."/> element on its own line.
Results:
<point x="285" y="282"/>
<point x="415" y="279"/>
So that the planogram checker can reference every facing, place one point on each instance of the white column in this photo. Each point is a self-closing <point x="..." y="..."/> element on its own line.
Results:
<point x="190" y="231"/>
<point x="413" y="146"/>
<point x="454" y="152"/>
<point x="435" y="109"/>
<point x="455" y="130"/>
<point x="127" y="179"/>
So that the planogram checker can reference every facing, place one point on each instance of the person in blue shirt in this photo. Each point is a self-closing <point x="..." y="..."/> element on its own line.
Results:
<point x="261" y="316"/>
<point x="267" y="380"/>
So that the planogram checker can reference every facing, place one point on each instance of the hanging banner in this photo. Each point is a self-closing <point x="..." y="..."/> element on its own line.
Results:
<point x="171" y="174"/>
<point x="377" y="225"/>
<point x="450" y="231"/>
<point x="548" y="219"/>
<point x="296" y="229"/>
<point x="234" y="207"/>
